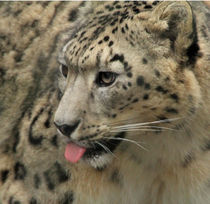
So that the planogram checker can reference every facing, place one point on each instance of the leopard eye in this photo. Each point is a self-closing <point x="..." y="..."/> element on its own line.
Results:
<point x="64" y="70"/>
<point x="106" y="78"/>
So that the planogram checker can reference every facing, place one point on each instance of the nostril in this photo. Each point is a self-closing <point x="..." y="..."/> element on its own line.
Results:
<point x="67" y="130"/>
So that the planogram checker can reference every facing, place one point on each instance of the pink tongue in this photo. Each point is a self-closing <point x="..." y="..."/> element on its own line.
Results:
<point x="73" y="152"/>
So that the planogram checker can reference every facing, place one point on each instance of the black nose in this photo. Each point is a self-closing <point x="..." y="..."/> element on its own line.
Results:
<point x="67" y="130"/>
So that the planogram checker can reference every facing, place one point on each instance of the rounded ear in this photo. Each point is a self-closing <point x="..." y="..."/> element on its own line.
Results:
<point x="175" y="21"/>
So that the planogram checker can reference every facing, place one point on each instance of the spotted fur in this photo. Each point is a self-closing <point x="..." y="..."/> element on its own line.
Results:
<point x="160" y="53"/>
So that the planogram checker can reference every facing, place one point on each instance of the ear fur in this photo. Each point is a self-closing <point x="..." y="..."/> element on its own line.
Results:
<point x="175" y="21"/>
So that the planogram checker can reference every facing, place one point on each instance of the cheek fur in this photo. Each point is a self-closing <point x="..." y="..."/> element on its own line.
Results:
<point x="62" y="83"/>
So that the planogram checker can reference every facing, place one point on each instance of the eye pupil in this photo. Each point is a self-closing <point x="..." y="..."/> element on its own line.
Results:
<point x="106" y="78"/>
<point x="107" y="75"/>
<point x="64" y="70"/>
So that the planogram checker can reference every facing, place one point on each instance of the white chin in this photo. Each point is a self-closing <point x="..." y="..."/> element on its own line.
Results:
<point x="99" y="162"/>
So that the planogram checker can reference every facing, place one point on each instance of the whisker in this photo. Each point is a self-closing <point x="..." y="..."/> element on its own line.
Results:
<point x="143" y="126"/>
<point x="136" y="129"/>
<point x="128" y="140"/>
<point x="106" y="149"/>
<point x="125" y="120"/>
<point x="147" y="123"/>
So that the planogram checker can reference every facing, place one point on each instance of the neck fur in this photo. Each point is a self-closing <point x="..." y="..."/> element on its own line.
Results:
<point x="172" y="147"/>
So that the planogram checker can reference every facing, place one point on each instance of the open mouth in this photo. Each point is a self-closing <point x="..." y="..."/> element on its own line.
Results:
<point x="75" y="152"/>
